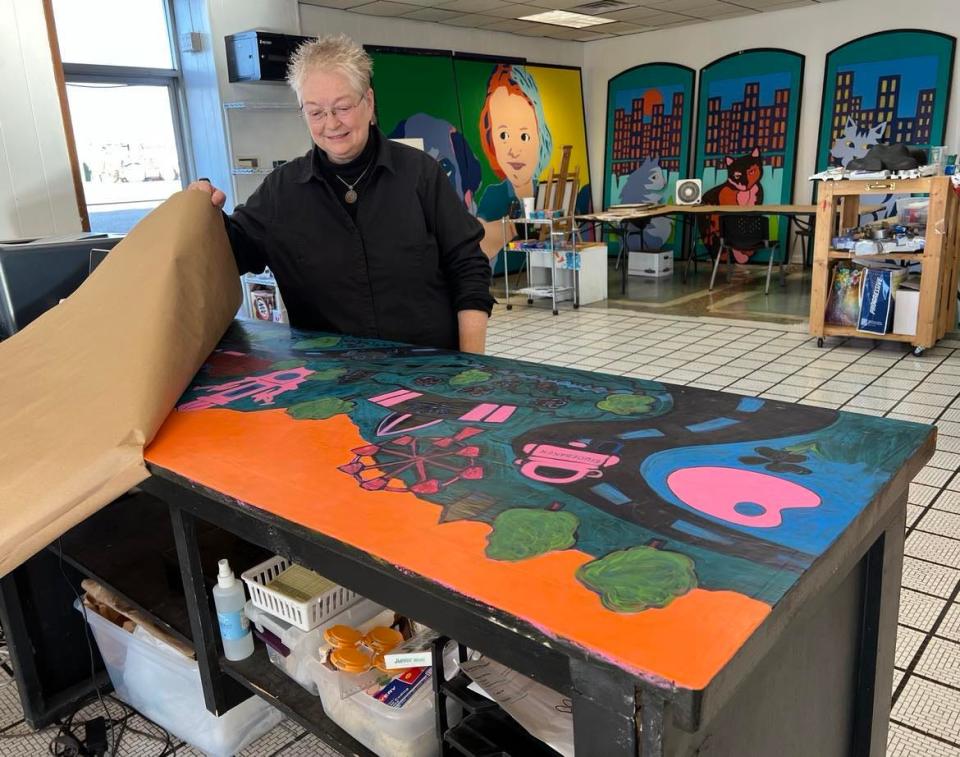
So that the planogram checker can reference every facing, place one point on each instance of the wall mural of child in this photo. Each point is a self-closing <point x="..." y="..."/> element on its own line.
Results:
<point x="515" y="138"/>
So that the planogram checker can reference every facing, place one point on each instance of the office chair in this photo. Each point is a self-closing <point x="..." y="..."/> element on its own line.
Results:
<point x="746" y="232"/>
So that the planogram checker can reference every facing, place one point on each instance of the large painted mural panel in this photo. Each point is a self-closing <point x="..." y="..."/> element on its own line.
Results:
<point x="416" y="97"/>
<point x="890" y="87"/>
<point x="749" y="111"/>
<point x="649" y="124"/>
<point x="635" y="519"/>
<point x="518" y="118"/>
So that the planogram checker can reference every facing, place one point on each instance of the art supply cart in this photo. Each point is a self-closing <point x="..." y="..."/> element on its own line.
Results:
<point x="553" y="260"/>
<point x="939" y="259"/>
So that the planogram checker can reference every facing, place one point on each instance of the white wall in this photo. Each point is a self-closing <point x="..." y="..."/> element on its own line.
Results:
<point x="218" y="138"/>
<point x="36" y="188"/>
<point x="812" y="31"/>
<point x="395" y="32"/>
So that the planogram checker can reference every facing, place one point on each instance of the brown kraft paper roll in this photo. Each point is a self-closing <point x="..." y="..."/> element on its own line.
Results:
<point x="86" y="386"/>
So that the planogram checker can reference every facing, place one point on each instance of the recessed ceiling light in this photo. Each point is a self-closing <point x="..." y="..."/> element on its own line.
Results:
<point x="565" y="18"/>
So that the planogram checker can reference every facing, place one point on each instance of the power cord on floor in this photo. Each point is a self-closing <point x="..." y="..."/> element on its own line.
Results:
<point x="95" y="743"/>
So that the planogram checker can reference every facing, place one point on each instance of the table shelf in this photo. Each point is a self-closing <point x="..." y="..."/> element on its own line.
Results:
<point x="264" y="679"/>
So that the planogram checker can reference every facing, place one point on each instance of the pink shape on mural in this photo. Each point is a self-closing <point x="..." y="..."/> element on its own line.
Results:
<point x="719" y="492"/>
<point x="260" y="389"/>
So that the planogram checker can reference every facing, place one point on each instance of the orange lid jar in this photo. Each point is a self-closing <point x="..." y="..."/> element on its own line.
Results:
<point x="342" y="637"/>
<point x="350" y="660"/>
<point x="382" y="639"/>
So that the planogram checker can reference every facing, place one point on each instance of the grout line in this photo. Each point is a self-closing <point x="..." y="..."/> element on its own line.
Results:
<point x="924" y="643"/>
<point x="933" y="736"/>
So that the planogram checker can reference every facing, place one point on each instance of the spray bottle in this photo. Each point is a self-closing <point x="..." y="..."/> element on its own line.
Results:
<point x="228" y="597"/>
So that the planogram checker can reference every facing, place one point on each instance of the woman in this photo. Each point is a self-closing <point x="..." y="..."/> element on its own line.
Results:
<point x="515" y="138"/>
<point x="364" y="236"/>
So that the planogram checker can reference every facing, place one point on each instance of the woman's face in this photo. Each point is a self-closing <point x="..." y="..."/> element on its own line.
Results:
<point x="516" y="140"/>
<point x="338" y="118"/>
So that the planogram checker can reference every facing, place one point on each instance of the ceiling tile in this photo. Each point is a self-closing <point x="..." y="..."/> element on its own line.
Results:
<point x="513" y="10"/>
<point x="664" y="19"/>
<point x="432" y="14"/>
<point x="638" y="14"/>
<point x="557" y="5"/>
<point x="514" y="27"/>
<point x="472" y="20"/>
<point x="340" y="4"/>
<point x="682" y="6"/>
<point x="384" y="8"/>
<point x="469" y="6"/>
<point x="624" y="27"/>
<point x="786" y="6"/>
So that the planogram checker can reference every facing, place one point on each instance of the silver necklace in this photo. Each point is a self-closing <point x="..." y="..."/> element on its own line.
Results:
<point x="351" y="194"/>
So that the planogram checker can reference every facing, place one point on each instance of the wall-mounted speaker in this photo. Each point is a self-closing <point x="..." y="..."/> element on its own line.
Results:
<point x="689" y="192"/>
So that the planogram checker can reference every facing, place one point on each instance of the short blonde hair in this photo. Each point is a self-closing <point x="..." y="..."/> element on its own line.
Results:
<point x="335" y="52"/>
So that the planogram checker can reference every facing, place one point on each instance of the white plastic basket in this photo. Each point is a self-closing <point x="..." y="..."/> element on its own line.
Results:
<point x="304" y="615"/>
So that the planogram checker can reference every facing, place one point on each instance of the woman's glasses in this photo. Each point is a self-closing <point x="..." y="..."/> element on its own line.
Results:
<point x="319" y="115"/>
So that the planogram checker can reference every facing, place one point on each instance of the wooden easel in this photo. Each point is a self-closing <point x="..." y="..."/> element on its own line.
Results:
<point x="556" y="188"/>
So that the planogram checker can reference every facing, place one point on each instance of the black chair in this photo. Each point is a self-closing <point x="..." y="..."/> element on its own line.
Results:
<point x="746" y="232"/>
<point x="803" y="229"/>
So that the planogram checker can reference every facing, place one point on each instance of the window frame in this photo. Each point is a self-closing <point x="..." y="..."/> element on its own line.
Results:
<point x="97" y="73"/>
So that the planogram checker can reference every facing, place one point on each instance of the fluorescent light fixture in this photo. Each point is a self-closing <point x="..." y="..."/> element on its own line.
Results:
<point x="565" y="18"/>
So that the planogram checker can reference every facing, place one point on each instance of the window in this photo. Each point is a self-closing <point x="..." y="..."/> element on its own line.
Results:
<point x="123" y="91"/>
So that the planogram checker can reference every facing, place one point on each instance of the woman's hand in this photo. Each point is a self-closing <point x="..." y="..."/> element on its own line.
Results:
<point x="217" y="197"/>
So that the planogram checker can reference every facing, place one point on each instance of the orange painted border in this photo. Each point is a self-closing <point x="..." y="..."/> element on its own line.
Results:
<point x="288" y="467"/>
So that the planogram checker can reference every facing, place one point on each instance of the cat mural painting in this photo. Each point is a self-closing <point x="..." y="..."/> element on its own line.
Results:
<point x="742" y="187"/>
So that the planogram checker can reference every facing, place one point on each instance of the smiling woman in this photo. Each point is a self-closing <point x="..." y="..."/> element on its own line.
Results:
<point x="364" y="236"/>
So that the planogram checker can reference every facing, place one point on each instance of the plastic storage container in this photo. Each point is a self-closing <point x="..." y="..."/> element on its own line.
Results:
<point x="304" y="615"/>
<point x="407" y="731"/>
<point x="164" y="686"/>
<point x="913" y="211"/>
<point x="303" y="645"/>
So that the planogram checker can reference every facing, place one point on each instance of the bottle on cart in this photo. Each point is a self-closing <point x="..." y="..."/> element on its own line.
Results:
<point x="228" y="597"/>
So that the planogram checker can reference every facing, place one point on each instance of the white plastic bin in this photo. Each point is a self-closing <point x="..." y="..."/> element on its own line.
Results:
<point x="304" y="644"/>
<point x="407" y="731"/>
<point x="164" y="686"/>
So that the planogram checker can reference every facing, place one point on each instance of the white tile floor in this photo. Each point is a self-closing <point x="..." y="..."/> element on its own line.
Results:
<point x="751" y="359"/>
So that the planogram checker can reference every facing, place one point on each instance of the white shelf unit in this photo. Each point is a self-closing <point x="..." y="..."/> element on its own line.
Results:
<point x="560" y="256"/>
<point x="269" y="131"/>
<point x="267" y="306"/>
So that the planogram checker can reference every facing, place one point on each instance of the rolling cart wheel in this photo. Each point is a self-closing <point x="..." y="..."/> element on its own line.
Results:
<point x="556" y="312"/>
<point x="918" y="351"/>
<point x="819" y="341"/>
<point x="530" y="301"/>
<point x="509" y="307"/>
<point x="576" y="306"/>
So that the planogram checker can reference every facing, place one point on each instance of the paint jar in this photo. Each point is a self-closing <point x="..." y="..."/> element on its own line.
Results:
<point x="380" y="665"/>
<point x="938" y="157"/>
<point x="382" y="639"/>
<point x="342" y="637"/>
<point x="528" y="207"/>
<point x="351" y="660"/>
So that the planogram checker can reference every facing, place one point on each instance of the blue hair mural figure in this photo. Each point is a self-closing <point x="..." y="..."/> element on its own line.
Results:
<point x="515" y="137"/>
<point x="446" y="145"/>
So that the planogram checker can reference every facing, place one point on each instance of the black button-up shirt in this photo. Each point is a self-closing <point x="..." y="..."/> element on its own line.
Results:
<point x="402" y="271"/>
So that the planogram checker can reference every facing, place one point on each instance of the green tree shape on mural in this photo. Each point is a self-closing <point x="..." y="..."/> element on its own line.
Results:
<point x="317" y="343"/>
<point x="287" y="365"/>
<point x="521" y="533"/>
<point x="326" y="374"/>
<point x="635" y="579"/>
<point x="321" y="409"/>
<point x="470" y="377"/>
<point x="627" y="404"/>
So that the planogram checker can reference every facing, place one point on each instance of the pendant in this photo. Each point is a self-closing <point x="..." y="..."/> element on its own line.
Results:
<point x="350" y="196"/>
